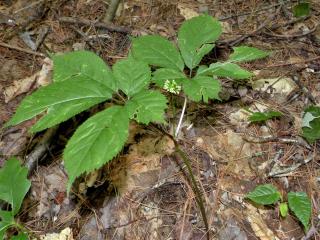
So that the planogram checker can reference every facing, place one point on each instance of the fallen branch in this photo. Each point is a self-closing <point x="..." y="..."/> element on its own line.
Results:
<point x="294" y="63"/>
<point x="284" y="171"/>
<point x="86" y="22"/>
<point x="299" y="141"/>
<point x="298" y="35"/>
<point x="2" y="44"/>
<point x="82" y="34"/>
<point x="235" y="41"/>
<point x="252" y="12"/>
<point x="295" y="20"/>
<point x="111" y="12"/>
<point x="306" y="91"/>
<point x="40" y="149"/>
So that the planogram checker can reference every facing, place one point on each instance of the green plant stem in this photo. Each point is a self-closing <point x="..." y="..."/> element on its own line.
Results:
<point x="195" y="188"/>
<point x="183" y="110"/>
<point x="194" y="185"/>
<point x="181" y="117"/>
<point x="173" y="109"/>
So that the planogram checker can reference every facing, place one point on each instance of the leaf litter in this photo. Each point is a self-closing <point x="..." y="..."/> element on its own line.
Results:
<point x="143" y="191"/>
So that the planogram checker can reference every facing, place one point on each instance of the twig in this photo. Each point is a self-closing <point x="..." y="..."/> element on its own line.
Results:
<point x="294" y="63"/>
<point x="28" y="6"/>
<point x="33" y="158"/>
<point x="284" y="171"/>
<point x="234" y="42"/>
<point x="253" y="12"/>
<point x="129" y="223"/>
<point x="312" y="231"/>
<point x="293" y="35"/>
<point x="82" y="34"/>
<point x="304" y="89"/>
<point x="2" y="44"/>
<point x="181" y="117"/>
<point x="43" y="34"/>
<point x="86" y="22"/>
<point x="275" y="26"/>
<point x="270" y="163"/>
<point x="111" y="12"/>
<point x="299" y="141"/>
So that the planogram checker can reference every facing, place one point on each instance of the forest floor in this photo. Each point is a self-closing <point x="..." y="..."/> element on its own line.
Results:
<point x="144" y="193"/>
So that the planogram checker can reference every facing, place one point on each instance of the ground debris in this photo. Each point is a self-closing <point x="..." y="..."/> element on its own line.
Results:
<point x="143" y="192"/>
<point x="41" y="78"/>
<point x="65" y="234"/>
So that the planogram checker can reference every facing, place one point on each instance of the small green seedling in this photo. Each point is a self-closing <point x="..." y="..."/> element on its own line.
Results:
<point x="301" y="9"/>
<point x="298" y="202"/>
<point x="82" y="80"/>
<point x="257" y="117"/>
<point x="311" y="124"/>
<point x="14" y="185"/>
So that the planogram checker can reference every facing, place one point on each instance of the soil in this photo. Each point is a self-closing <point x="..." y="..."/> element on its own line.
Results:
<point x="145" y="192"/>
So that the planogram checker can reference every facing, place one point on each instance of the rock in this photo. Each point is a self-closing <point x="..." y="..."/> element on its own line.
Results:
<point x="282" y="86"/>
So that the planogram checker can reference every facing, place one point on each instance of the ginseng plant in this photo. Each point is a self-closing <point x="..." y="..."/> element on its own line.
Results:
<point x="155" y="68"/>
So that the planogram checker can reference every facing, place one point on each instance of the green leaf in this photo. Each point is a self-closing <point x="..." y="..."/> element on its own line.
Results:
<point x="14" y="184"/>
<point x="283" y="209"/>
<point x="307" y="119"/>
<point x="61" y="100"/>
<point x="225" y="69"/>
<point x="7" y="220"/>
<point x="95" y="142"/>
<point x="201" y="52"/>
<point x="76" y="66"/>
<point x="246" y="54"/>
<point x="300" y="205"/>
<point x="157" y="51"/>
<point x="82" y="63"/>
<point x="161" y="75"/>
<point x="301" y="9"/>
<point x="201" y="70"/>
<point x="62" y="112"/>
<point x="21" y="236"/>
<point x="131" y="75"/>
<point x="263" y="116"/>
<point x="202" y="88"/>
<point x="195" y="38"/>
<point x="264" y="194"/>
<point x="147" y="106"/>
<point x="311" y="124"/>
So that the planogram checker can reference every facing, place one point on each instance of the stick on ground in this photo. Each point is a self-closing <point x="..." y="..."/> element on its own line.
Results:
<point x="111" y="12"/>
<point x="86" y="22"/>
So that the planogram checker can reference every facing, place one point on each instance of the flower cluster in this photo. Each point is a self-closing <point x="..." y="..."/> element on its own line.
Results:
<point x="172" y="86"/>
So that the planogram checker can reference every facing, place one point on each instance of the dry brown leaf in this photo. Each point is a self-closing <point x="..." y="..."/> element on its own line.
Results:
<point x="186" y="12"/>
<point x="258" y="225"/>
<point x="41" y="78"/>
<point x="65" y="234"/>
